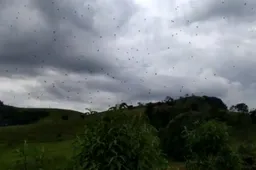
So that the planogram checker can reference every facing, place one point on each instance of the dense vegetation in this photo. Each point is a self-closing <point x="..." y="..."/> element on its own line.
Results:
<point x="192" y="132"/>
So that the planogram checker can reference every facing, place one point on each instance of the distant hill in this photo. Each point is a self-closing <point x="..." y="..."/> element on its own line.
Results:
<point x="10" y="115"/>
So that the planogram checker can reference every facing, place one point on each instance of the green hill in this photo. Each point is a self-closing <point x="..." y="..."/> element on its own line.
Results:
<point x="50" y="131"/>
<point x="55" y="129"/>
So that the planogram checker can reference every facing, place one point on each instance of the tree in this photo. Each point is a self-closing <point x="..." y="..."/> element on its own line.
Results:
<point x="1" y="103"/>
<point x="240" y="107"/>
<point x="158" y="116"/>
<point x="253" y="115"/>
<point x="123" y="105"/>
<point x="209" y="146"/>
<point x="215" y="103"/>
<point x="90" y="111"/>
<point x="173" y="141"/>
<point x="169" y="100"/>
<point x="118" y="107"/>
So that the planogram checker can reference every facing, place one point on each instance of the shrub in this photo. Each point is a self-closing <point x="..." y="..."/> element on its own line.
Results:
<point x="210" y="148"/>
<point x="173" y="142"/>
<point x="248" y="155"/>
<point x="219" y="115"/>
<point x="120" y="142"/>
<point x="158" y="116"/>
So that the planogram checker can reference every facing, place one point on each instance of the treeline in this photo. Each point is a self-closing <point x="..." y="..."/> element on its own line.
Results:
<point x="217" y="126"/>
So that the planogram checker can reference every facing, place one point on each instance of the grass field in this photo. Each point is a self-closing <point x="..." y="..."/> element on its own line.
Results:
<point x="59" y="152"/>
<point x="52" y="133"/>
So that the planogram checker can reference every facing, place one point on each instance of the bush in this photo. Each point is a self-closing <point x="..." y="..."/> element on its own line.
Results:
<point x="158" y="116"/>
<point x="248" y="155"/>
<point x="120" y="142"/>
<point x="219" y="115"/>
<point x="172" y="140"/>
<point x="210" y="148"/>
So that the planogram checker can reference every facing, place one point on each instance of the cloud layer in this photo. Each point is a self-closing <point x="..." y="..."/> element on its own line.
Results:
<point x="78" y="54"/>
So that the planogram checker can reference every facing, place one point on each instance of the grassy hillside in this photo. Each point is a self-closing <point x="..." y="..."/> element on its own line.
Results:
<point x="52" y="132"/>
<point x="51" y="128"/>
<point x="57" y="128"/>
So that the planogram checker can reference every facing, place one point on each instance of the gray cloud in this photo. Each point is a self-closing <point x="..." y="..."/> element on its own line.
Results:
<point x="53" y="44"/>
<point x="233" y="10"/>
<point x="78" y="54"/>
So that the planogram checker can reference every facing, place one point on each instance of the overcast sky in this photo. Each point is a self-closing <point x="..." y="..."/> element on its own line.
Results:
<point x="95" y="53"/>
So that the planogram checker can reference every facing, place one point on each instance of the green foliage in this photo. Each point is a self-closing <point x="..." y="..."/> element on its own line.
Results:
<point x="210" y="148"/>
<point x="209" y="137"/>
<point x="172" y="140"/>
<point x="247" y="152"/>
<point x="159" y="116"/>
<point x="219" y="115"/>
<point x="253" y="116"/>
<point x="240" y="107"/>
<point x="120" y="142"/>
<point x="27" y="160"/>
<point x="22" y="162"/>
<point x="35" y="158"/>
<point x="127" y="139"/>
<point x="215" y="103"/>
<point x="202" y="104"/>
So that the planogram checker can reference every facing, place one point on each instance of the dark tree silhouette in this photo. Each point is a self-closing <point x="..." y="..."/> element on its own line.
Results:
<point x="215" y="103"/>
<point x="1" y="103"/>
<point x="240" y="107"/>
<point x="253" y="115"/>
<point x="123" y="105"/>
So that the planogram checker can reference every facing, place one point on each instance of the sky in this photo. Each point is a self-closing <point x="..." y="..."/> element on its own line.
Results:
<point x="96" y="53"/>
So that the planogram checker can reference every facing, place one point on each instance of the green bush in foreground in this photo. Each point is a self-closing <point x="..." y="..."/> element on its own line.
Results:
<point x="248" y="155"/>
<point x="121" y="142"/>
<point x="210" y="148"/>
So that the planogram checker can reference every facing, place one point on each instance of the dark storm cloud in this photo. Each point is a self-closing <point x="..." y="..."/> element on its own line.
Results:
<point x="55" y="12"/>
<point x="79" y="87"/>
<point x="92" y="53"/>
<point x="43" y="52"/>
<point x="175" y="87"/>
<point x="54" y="45"/>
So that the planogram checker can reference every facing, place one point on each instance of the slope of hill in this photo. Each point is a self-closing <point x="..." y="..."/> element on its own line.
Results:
<point x="55" y="129"/>
<point x="52" y="132"/>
